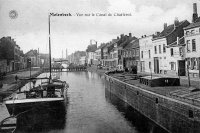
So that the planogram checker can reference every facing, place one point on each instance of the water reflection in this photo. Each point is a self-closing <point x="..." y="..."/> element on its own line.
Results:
<point x="140" y="122"/>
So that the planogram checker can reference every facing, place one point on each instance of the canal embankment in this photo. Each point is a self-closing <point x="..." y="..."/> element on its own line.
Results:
<point x="175" y="108"/>
<point x="10" y="84"/>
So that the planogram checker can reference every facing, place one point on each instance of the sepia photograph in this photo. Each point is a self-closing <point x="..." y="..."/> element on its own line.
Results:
<point x="100" y="66"/>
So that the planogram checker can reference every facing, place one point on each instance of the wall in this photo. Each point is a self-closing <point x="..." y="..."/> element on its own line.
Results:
<point x="170" y="114"/>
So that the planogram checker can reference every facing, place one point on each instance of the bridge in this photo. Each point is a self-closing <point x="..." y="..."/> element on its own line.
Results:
<point x="68" y="69"/>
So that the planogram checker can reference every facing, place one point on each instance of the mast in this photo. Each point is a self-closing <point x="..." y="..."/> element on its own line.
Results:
<point x="49" y="49"/>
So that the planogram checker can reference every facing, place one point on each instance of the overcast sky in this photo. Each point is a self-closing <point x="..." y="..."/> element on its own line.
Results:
<point x="30" y="28"/>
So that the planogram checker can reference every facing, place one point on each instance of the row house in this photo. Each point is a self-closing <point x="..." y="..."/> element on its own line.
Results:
<point x="131" y="54"/>
<point x="122" y="50"/>
<point x="112" y="54"/>
<point x="98" y="56"/>
<point x="11" y="52"/>
<point x="104" y="56"/>
<point x="166" y="57"/>
<point x="192" y="48"/>
<point x="146" y="52"/>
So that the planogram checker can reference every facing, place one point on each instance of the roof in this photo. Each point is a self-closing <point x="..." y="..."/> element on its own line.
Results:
<point x="131" y="43"/>
<point x="135" y="43"/>
<point x="127" y="41"/>
<point x="193" y="25"/>
<point x="174" y="44"/>
<point x="168" y="30"/>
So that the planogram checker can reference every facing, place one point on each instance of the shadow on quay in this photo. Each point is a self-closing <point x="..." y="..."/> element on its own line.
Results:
<point x="139" y="121"/>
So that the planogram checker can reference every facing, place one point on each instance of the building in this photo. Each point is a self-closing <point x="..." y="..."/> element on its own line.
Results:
<point x="83" y="60"/>
<point x="146" y="52"/>
<point x="90" y="54"/>
<point x="113" y="54"/>
<point x="192" y="48"/>
<point x="98" y="56"/>
<point x="11" y="52"/>
<point x="104" y="57"/>
<point x="167" y="59"/>
<point x="33" y="55"/>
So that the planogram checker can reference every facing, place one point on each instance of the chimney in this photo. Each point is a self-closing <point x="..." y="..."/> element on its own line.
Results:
<point x="165" y="26"/>
<point x="130" y="35"/>
<point x="177" y="40"/>
<point x="117" y="38"/>
<point x="157" y="33"/>
<point x="176" y="22"/>
<point x="122" y="35"/>
<point x="195" y="15"/>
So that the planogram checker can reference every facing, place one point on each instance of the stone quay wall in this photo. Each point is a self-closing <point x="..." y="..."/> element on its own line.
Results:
<point x="173" y="115"/>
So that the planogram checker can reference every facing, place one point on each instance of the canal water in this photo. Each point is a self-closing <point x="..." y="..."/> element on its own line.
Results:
<point x="88" y="109"/>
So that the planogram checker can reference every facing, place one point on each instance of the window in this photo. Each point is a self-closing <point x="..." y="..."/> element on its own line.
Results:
<point x="141" y="54"/>
<point x="194" y="65"/>
<point x="188" y="63"/>
<point x="188" y="45"/>
<point x="172" y="52"/>
<point x="149" y="54"/>
<point x="133" y="52"/>
<point x="187" y="32"/>
<point x="137" y="52"/>
<point x="164" y="48"/>
<point x="193" y="45"/>
<point x="155" y="49"/>
<point x="160" y="49"/>
<point x="173" y="65"/>
<point x="149" y="65"/>
<point x="192" y="31"/>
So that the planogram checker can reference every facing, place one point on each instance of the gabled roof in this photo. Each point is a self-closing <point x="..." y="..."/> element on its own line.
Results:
<point x="168" y="30"/>
<point x="127" y="41"/>
<point x="135" y="43"/>
<point x="130" y="44"/>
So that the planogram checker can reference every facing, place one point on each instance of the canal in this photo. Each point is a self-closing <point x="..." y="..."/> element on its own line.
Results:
<point x="89" y="109"/>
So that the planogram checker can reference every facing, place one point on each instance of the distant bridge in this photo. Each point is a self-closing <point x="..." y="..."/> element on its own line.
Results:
<point x="69" y="69"/>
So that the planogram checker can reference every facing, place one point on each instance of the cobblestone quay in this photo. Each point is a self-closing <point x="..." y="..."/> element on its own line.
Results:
<point x="176" y="115"/>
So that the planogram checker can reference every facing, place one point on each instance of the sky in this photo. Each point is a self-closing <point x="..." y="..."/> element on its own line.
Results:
<point x="30" y="27"/>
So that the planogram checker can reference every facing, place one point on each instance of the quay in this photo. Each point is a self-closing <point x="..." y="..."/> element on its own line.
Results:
<point x="10" y="85"/>
<point x="174" y="108"/>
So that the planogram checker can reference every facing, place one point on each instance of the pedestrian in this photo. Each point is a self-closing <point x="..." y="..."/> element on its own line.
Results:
<point x="16" y="78"/>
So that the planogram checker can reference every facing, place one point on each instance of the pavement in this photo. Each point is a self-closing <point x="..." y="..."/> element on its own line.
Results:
<point x="9" y="82"/>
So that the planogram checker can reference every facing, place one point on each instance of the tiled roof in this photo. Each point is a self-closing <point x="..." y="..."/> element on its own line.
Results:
<point x="193" y="25"/>
<point x="127" y="41"/>
<point x="169" y="29"/>
<point x="135" y="43"/>
<point x="174" y="44"/>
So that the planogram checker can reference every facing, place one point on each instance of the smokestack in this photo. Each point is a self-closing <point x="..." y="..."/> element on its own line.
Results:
<point x="165" y="26"/>
<point x="195" y="15"/>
